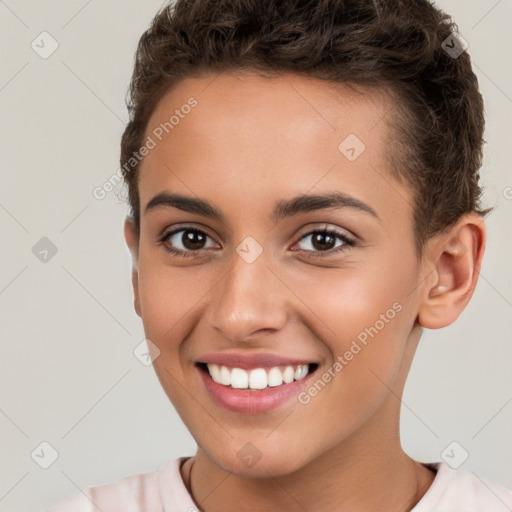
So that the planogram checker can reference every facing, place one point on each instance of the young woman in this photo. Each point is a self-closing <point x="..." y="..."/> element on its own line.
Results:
<point x="303" y="183"/>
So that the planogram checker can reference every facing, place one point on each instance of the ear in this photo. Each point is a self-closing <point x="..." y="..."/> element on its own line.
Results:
<point x="131" y="236"/>
<point x="455" y="258"/>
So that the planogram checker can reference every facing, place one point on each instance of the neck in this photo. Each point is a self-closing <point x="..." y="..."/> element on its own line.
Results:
<point x="361" y="478"/>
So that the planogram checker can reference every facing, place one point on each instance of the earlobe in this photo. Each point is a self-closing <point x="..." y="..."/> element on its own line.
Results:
<point x="135" y="284"/>
<point x="131" y="237"/>
<point x="457" y="259"/>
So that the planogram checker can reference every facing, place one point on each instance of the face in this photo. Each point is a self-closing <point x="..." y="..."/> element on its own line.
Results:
<point x="311" y="303"/>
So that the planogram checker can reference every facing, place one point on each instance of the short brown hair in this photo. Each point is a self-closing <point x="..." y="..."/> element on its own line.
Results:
<point x="394" y="45"/>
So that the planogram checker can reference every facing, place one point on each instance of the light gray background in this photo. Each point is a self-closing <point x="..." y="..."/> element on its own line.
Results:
<point x="68" y="328"/>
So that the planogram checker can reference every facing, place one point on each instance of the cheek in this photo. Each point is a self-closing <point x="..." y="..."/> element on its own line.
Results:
<point x="167" y="296"/>
<point x="342" y="302"/>
<point x="362" y="316"/>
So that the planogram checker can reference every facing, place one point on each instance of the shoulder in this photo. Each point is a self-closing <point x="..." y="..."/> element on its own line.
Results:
<point x="463" y="491"/>
<point x="134" y="493"/>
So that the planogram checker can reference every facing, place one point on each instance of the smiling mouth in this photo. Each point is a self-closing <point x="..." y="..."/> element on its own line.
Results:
<point x="256" y="379"/>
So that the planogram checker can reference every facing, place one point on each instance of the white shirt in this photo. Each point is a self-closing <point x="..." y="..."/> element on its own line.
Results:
<point x="164" y="491"/>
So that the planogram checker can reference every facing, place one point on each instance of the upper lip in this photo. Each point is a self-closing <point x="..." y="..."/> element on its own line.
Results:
<point x="250" y="361"/>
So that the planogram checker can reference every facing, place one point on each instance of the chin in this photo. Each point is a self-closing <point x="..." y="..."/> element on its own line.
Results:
<point x="252" y="462"/>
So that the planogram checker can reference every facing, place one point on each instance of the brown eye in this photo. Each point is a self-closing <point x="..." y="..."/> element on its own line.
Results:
<point x="192" y="240"/>
<point x="324" y="241"/>
<point x="185" y="241"/>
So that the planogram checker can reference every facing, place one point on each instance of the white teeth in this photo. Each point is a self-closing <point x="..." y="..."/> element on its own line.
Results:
<point x="239" y="378"/>
<point x="215" y="372"/>
<point x="225" y="376"/>
<point x="275" y="377"/>
<point x="288" y="374"/>
<point x="258" y="378"/>
<point x="301" y="372"/>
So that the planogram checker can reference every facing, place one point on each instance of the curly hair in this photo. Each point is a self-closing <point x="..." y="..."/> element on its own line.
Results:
<point x="395" y="46"/>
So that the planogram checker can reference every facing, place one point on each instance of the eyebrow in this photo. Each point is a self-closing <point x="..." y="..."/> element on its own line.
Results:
<point x="303" y="203"/>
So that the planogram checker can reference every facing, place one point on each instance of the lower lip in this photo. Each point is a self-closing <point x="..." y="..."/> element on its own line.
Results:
<point x="251" y="402"/>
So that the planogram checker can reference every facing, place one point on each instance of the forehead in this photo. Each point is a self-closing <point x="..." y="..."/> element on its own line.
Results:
<point x="250" y="139"/>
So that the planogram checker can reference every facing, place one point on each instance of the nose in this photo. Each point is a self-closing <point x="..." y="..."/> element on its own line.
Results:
<point x="249" y="301"/>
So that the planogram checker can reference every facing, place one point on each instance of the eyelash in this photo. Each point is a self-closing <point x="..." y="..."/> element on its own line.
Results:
<point x="348" y="242"/>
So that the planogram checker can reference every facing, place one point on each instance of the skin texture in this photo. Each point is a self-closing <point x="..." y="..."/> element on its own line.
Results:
<point x="251" y="142"/>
